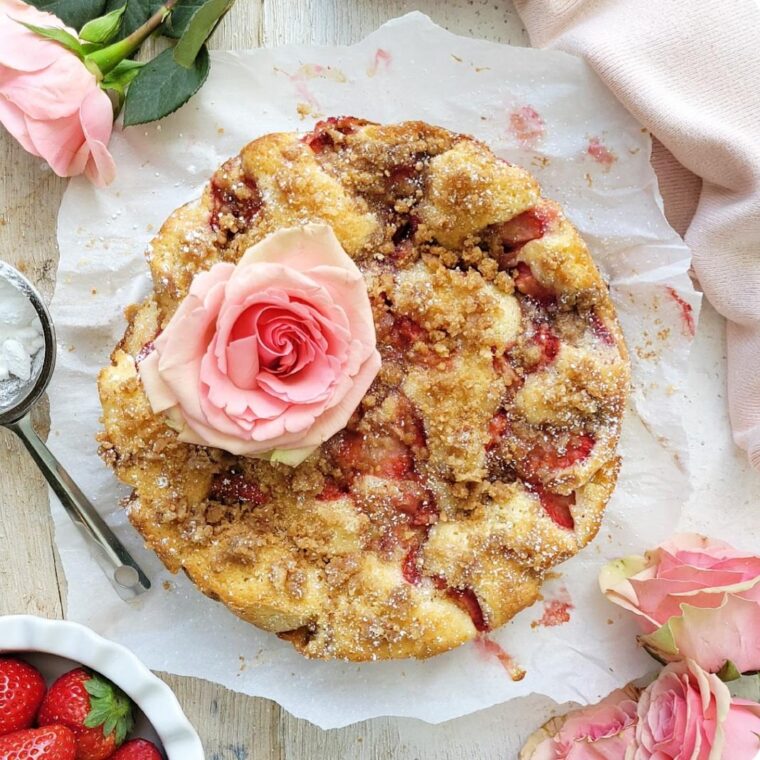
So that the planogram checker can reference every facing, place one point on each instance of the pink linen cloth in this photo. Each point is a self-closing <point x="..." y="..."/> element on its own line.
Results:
<point x="689" y="70"/>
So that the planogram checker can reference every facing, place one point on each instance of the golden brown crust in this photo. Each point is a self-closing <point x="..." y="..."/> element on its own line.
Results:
<point x="482" y="455"/>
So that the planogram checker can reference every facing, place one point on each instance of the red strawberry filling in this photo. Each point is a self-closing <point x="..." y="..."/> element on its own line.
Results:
<point x="523" y="228"/>
<point x="548" y="342"/>
<point x="410" y="568"/>
<point x="528" y="285"/>
<point x="384" y="456"/>
<point x="320" y="138"/>
<point x="601" y="330"/>
<point x="547" y="456"/>
<point x="407" y="332"/>
<point x="396" y="463"/>
<point x="331" y="491"/>
<point x="232" y="487"/>
<point x="243" y="205"/>
<point x="557" y="506"/>
<point x="466" y="600"/>
<point x="496" y="429"/>
<point x="502" y="366"/>
<point x="419" y="504"/>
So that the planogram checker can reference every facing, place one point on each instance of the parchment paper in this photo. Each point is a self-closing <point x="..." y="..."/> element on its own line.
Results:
<point x="587" y="152"/>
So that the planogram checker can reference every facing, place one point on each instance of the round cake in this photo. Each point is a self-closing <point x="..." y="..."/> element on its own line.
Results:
<point x="481" y="456"/>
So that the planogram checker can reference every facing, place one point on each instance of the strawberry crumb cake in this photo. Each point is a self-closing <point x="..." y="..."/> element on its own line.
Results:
<point x="375" y="394"/>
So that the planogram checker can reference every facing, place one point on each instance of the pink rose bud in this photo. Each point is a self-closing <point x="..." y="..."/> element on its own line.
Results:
<point x="688" y="714"/>
<point x="49" y="101"/>
<point x="270" y="357"/>
<point x="696" y="598"/>
<point x="605" y="731"/>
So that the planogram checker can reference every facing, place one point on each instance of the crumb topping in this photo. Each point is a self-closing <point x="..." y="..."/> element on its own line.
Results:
<point x="482" y="455"/>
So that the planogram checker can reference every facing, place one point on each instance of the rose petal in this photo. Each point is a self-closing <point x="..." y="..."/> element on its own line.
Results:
<point x="12" y="118"/>
<point x="52" y="93"/>
<point x="20" y="48"/>
<point x="96" y="116"/>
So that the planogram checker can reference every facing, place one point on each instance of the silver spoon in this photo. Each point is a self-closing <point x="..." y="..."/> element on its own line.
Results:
<point x="121" y="569"/>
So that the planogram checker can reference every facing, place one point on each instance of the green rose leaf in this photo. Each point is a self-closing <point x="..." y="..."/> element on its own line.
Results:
<point x="746" y="687"/>
<point x="74" y="13"/>
<point x="104" y="28"/>
<point x="60" y="36"/>
<point x="162" y="86"/>
<point x="181" y="15"/>
<point x="199" y="29"/>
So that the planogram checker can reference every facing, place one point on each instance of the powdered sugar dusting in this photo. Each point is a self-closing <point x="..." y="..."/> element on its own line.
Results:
<point x="20" y="341"/>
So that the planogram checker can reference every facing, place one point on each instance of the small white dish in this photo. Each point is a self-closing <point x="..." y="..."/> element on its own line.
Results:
<point x="55" y="646"/>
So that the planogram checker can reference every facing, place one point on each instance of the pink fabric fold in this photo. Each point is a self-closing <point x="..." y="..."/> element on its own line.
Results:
<point x="690" y="72"/>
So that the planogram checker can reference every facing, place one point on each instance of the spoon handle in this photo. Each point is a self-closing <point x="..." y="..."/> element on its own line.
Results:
<point x="121" y="569"/>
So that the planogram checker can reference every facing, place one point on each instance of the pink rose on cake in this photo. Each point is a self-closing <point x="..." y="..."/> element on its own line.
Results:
<point x="695" y="598"/>
<point x="270" y="357"/>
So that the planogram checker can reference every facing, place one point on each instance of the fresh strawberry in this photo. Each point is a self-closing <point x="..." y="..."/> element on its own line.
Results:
<point x="22" y="689"/>
<point x="99" y="714"/>
<point x="48" y="743"/>
<point x="137" y="749"/>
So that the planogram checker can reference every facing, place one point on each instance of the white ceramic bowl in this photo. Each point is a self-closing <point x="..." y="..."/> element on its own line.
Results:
<point x="53" y="645"/>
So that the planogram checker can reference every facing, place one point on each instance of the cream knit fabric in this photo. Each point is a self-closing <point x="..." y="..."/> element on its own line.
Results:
<point x="689" y="70"/>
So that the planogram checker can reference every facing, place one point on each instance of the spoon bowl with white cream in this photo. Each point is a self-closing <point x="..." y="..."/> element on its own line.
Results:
<point x="27" y="360"/>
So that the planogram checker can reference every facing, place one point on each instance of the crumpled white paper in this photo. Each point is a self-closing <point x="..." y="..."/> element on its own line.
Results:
<point x="591" y="156"/>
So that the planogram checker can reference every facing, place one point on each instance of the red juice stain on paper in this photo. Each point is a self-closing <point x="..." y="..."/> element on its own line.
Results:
<point x="489" y="648"/>
<point x="309" y="71"/>
<point x="687" y="312"/>
<point x="556" y="611"/>
<point x="526" y="125"/>
<point x="381" y="62"/>
<point x="600" y="153"/>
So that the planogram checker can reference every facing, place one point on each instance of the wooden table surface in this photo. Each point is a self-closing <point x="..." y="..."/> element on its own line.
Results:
<point x="232" y="726"/>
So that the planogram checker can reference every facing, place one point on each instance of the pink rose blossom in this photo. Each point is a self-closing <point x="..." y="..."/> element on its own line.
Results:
<point x="696" y="598"/>
<point x="268" y="358"/>
<point x="604" y="731"/>
<point x="49" y="101"/>
<point x="687" y="714"/>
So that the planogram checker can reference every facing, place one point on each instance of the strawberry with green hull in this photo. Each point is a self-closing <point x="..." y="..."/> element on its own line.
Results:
<point x="22" y="690"/>
<point x="48" y="743"/>
<point x="96" y="711"/>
